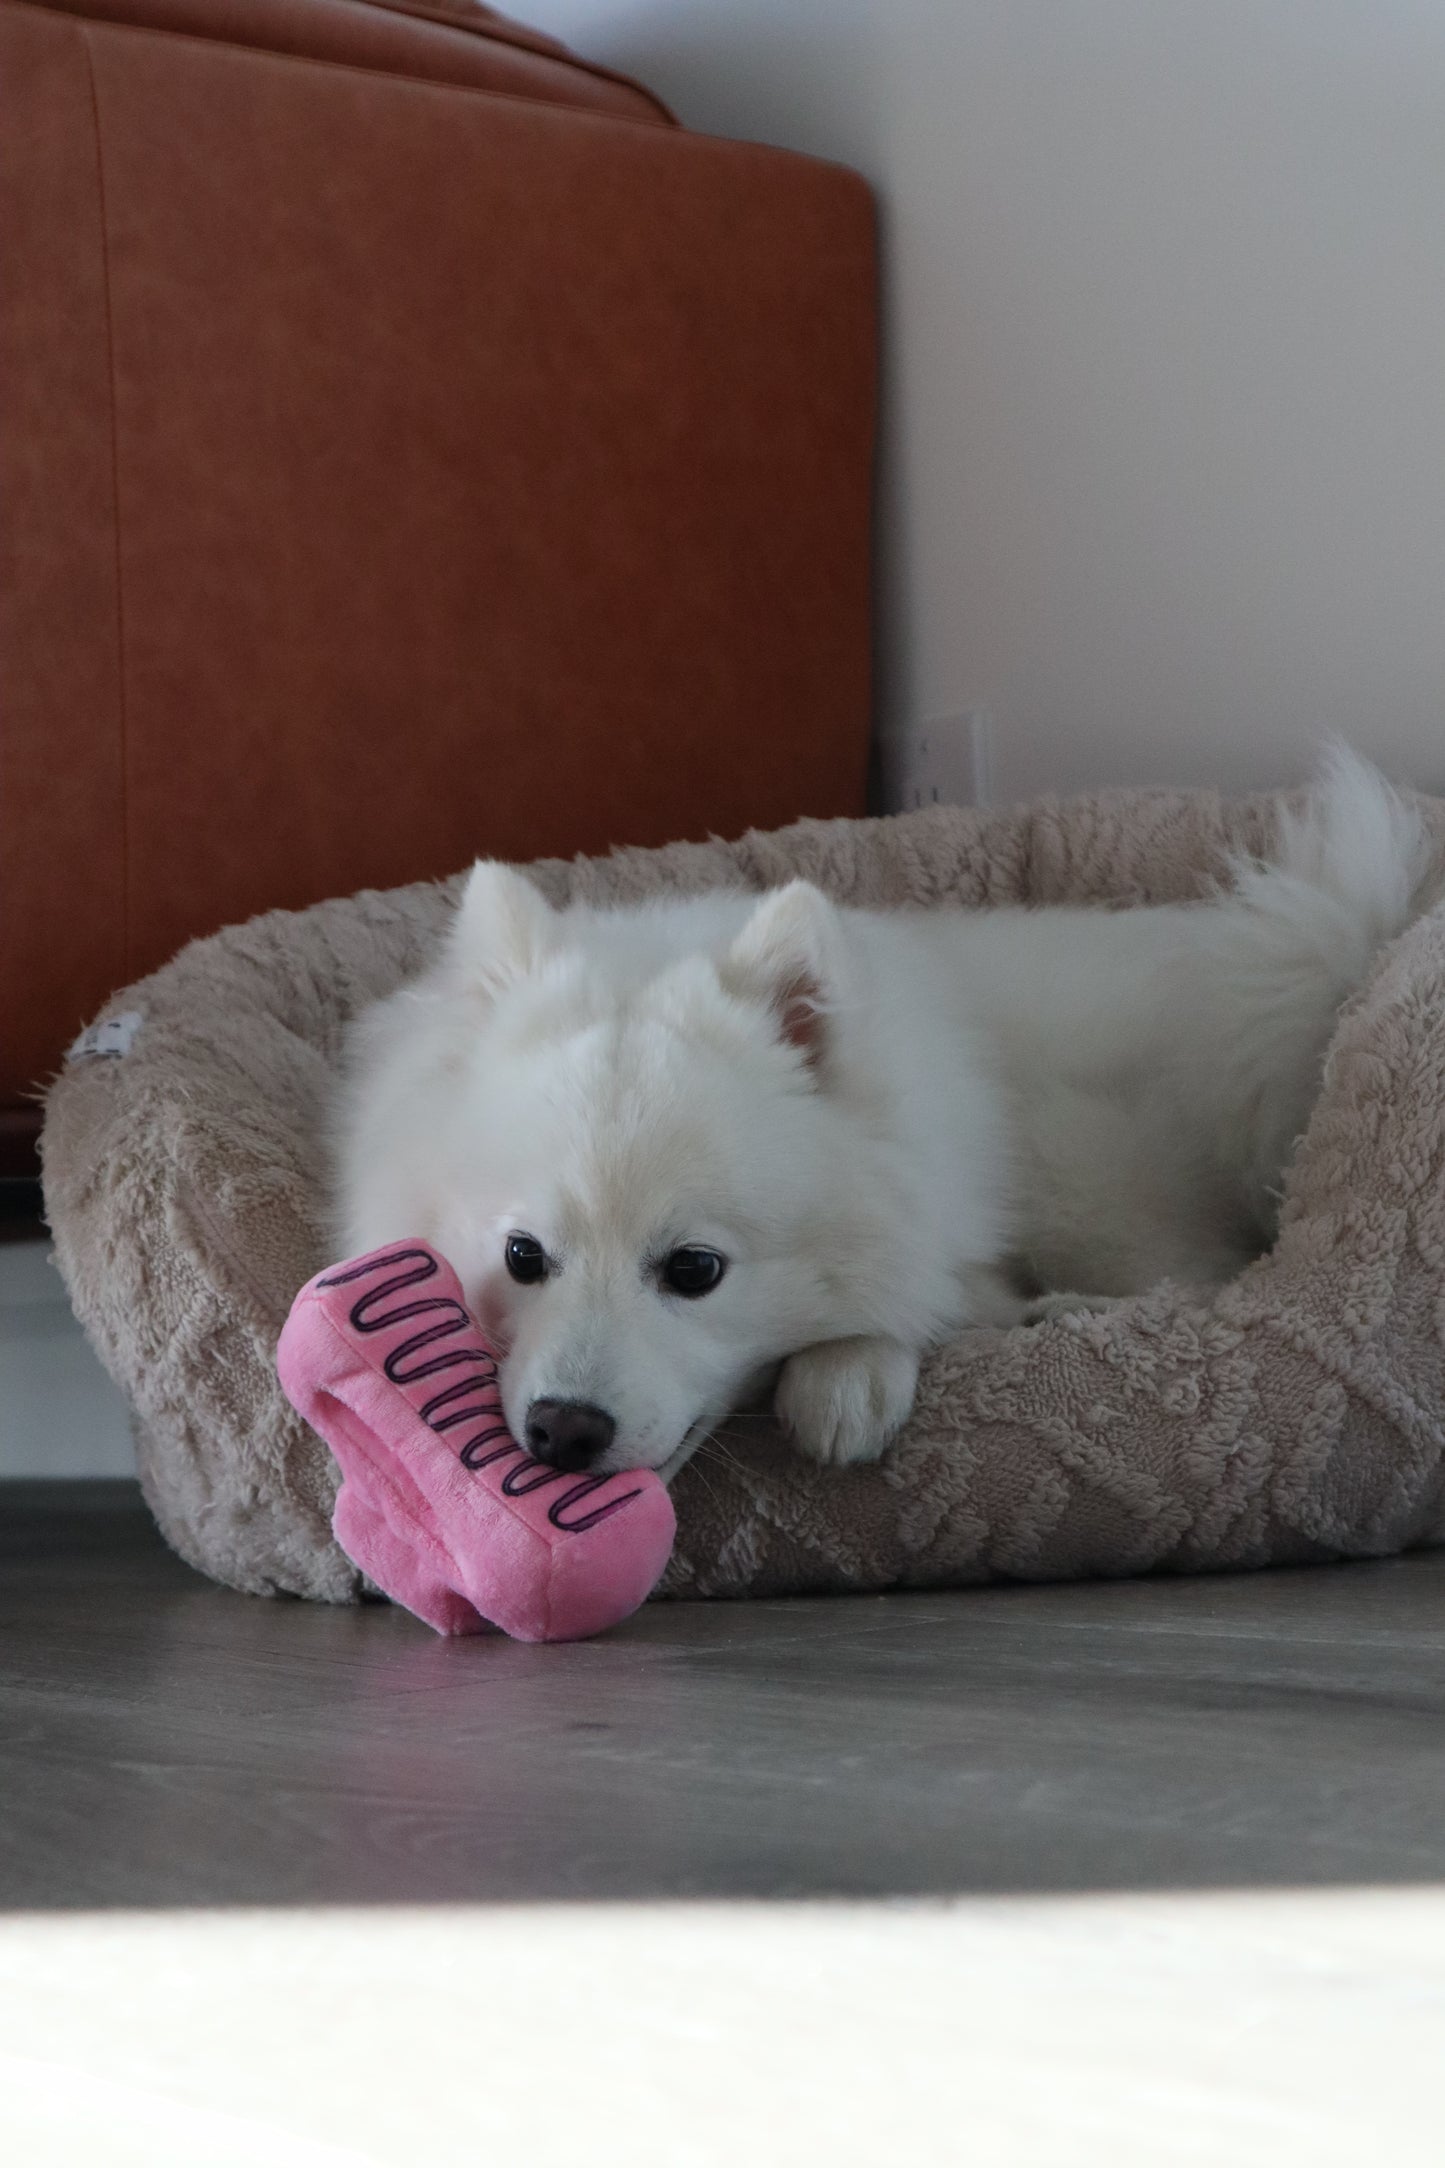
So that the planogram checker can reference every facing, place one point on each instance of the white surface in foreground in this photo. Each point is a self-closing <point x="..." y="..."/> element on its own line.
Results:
<point x="1202" y="2029"/>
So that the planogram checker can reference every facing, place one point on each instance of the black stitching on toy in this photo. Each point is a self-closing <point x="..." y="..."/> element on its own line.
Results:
<point x="520" y="1482"/>
<point x="589" y="1520"/>
<point x="536" y="1475"/>
<point x="471" y="1458"/>
<point x="459" y="1416"/>
<point x="485" y="1383"/>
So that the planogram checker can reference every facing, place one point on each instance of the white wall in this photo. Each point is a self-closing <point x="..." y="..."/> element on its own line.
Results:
<point x="59" y="1412"/>
<point x="1164" y="477"/>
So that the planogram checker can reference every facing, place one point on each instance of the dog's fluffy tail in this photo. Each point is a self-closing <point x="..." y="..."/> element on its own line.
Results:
<point x="1345" y="877"/>
<point x="1358" y="844"/>
<point x="1299" y="932"/>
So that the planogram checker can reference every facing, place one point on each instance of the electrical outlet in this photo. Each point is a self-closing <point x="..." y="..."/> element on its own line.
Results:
<point x="945" y="761"/>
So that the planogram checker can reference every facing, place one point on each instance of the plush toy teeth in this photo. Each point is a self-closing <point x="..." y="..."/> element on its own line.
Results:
<point x="438" y="1504"/>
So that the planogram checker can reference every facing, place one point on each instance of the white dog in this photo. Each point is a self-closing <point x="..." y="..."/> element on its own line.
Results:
<point x="679" y="1150"/>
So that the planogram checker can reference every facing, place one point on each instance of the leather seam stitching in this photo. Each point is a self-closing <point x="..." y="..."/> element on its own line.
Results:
<point x="125" y="913"/>
<point x="670" y="126"/>
<point x="739" y="148"/>
<point x="490" y="34"/>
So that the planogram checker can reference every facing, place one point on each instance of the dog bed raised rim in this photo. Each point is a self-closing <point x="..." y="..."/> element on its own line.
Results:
<point x="1296" y="1414"/>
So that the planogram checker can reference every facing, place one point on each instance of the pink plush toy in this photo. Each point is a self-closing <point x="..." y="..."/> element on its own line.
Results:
<point x="438" y="1503"/>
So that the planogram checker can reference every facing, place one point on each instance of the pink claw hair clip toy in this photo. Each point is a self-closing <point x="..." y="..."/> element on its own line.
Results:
<point x="438" y="1504"/>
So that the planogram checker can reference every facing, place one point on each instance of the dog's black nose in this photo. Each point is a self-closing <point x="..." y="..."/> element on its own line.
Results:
<point x="568" y="1433"/>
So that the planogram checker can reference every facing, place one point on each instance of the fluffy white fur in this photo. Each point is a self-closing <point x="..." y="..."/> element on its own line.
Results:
<point x="890" y="1125"/>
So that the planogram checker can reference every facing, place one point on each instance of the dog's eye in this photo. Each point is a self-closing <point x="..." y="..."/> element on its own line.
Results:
<point x="526" y="1259"/>
<point x="692" y="1272"/>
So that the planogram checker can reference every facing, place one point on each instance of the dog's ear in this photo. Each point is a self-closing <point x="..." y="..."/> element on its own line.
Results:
<point x="504" y="929"/>
<point x="788" y="957"/>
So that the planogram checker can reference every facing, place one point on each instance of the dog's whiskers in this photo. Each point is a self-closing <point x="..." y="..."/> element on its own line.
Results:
<point x="696" y="1464"/>
<point x="727" y="1459"/>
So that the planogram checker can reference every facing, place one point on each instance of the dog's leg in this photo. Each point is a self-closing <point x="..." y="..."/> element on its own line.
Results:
<point x="843" y="1400"/>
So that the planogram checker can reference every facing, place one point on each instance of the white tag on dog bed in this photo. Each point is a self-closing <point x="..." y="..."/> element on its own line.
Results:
<point x="107" y="1041"/>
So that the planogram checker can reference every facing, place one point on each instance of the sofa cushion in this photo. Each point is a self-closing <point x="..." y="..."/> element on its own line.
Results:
<point x="438" y="41"/>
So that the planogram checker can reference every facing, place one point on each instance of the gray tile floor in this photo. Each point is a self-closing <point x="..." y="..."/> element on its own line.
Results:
<point x="166" y="1742"/>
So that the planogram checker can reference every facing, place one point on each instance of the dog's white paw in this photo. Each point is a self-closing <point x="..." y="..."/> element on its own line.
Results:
<point x="843" y="1400"/>
<point x="1047" y="1306"/>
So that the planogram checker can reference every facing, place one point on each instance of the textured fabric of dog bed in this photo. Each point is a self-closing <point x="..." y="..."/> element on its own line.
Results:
<point x="1295" y="1414"/>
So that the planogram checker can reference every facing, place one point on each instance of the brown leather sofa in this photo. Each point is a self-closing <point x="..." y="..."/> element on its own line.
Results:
<point x="413" y="444"/>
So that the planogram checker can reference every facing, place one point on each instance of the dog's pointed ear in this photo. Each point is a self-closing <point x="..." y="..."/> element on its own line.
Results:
<point x="504" y="929"/>
<point x="788" y="958"/>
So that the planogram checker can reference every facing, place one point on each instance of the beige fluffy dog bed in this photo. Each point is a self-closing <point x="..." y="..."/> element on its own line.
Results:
<point x="1297" y="1414"/>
